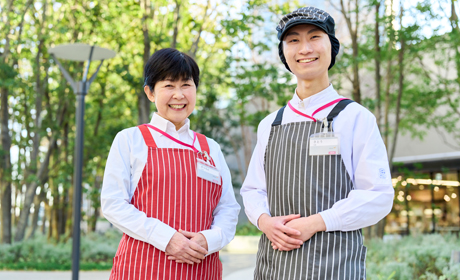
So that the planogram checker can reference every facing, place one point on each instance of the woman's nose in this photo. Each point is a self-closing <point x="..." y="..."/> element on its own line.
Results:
<point x="178" y="94"/>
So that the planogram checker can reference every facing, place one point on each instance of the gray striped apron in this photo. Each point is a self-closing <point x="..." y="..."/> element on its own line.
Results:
<point x="301" y="184"/>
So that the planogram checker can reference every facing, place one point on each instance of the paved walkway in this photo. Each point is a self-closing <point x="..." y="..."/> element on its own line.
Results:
<point x="238" y="266"/>
<point x="235" y="267"/>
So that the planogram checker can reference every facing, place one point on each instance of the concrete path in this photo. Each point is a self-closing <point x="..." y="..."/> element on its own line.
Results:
<point x="244" y="274"/>
<point x="238" y="266"/>
<point x="235" y="267"/>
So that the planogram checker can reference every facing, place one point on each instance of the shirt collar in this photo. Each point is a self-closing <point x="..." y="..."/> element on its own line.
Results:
<point x="316" y="100"/>
<point x="169" y="127"/>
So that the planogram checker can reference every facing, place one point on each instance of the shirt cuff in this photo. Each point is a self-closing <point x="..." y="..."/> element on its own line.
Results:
<point x="214" y="240"/>
<point x="257" y="213"/>
<point x="161" y="236"/>
<point x="331" y="219"/>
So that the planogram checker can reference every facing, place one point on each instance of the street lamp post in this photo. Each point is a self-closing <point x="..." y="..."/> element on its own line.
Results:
<point x="79" y="52"/>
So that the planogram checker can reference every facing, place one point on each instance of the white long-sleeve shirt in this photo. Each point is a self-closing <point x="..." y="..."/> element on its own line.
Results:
<point x="363" y="154"/>
<point x="126" y="161"/>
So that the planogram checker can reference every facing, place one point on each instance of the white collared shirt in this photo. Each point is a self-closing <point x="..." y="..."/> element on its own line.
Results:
<point x="363" y="154"/>
<point x="126" y="161"/>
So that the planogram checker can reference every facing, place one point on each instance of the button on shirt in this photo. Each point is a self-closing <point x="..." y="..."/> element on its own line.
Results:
<point x="125" y="164"/>
<point x="363" y="154"/>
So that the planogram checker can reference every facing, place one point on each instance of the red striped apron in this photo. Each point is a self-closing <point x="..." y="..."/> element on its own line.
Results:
<point x="170" y="191"/>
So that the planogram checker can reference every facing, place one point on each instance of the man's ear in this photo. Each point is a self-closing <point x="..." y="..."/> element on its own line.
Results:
<point x="150" y="94"/>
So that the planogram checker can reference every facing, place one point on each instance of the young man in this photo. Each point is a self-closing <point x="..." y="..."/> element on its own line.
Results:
<point x="319" y="172"/>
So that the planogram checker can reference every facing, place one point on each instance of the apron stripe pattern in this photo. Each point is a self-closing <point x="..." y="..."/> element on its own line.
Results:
<point x="301" y="184"/>
<point x="169" y="190"/>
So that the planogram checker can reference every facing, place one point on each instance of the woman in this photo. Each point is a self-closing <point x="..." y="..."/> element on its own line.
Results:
<point x="166" y="187"/>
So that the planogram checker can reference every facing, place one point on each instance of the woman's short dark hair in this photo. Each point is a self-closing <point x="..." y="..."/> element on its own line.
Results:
<point x="170" y="64"/>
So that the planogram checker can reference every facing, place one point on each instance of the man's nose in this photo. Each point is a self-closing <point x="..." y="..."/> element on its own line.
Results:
<point x="305" y="47"/>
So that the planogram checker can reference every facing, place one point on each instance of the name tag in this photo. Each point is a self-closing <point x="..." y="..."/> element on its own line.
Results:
<point x="207" y="172"/>
<point x="324" y="144"/>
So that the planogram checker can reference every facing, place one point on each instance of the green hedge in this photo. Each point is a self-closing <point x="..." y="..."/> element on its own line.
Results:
<point x="409" y="258"/>
<point x="97" y="252"/>
<point x="247" y="229"/>
<point x="421" y="257"/>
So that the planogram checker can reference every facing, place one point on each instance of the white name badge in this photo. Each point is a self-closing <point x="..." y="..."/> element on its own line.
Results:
<point x="207" y="172"/>
<point x="324" y="144"/>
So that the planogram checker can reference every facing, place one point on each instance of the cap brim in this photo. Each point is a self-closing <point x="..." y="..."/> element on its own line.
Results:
<point x="293" y="23"/>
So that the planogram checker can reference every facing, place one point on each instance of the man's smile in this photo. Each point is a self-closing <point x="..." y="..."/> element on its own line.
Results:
<point x="306" y="60"/>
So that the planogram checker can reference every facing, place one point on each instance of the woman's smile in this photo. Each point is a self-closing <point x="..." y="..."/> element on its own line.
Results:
<point x="177" y="107"/>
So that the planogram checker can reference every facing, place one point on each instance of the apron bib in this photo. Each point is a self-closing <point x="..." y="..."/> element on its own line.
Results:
<point x="298" y="183"/>
<point x="170" y="191"/>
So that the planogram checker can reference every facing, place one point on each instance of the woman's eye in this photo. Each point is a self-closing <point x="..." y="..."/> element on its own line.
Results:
<point x="293" y="40"/>
<point x="186" y="85"/>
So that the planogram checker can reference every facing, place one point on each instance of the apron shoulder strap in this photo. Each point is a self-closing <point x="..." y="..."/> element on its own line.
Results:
<point x="147" y="136"/>
<point x="203" y="143"/>
<point x="205" y="148"/>
<point x="338" y="108"/>
<point x="279" y="117"/>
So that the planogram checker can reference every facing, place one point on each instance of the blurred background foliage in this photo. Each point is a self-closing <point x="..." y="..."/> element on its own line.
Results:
<point x="407" y="258"/>
<point x="399" y="60"/>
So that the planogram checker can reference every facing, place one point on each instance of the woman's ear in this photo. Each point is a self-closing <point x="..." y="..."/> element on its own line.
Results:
<point x="150" y="94"/>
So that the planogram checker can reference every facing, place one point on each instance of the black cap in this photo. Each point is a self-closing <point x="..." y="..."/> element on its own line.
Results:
<point x="308" y="15"/>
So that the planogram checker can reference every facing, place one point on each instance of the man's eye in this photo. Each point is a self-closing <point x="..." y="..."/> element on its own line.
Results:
<point x="168" y="85"/>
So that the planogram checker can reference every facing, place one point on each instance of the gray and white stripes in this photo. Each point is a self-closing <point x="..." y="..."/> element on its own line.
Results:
<point x="301" y="184"/>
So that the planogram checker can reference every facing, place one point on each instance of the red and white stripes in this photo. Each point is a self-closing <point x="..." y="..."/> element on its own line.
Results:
<point x="170" y="191"/>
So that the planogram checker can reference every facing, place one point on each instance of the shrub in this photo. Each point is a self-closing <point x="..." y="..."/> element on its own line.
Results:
<point x="247" y="229"/>
<point x="420" y="257"/>
<point x="96" y="252"/>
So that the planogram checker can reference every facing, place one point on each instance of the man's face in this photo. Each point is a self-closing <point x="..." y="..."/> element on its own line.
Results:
<point x="307" y="50"/>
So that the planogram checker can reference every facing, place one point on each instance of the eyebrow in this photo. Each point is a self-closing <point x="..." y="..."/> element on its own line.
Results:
<point x="171" y="80"/>
<point x="309" y="32"/>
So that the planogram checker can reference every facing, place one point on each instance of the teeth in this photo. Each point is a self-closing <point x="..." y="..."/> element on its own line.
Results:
<point x="177" y="106"/>
<point x="307" y="60"/>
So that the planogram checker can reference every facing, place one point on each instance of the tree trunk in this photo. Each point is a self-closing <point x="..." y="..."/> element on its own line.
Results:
<point x="455" y="31"/>
<point x="30" y="192"/>
<point x="176" y="24"/>
<point x="247" y="145"/>
<point x="375" y="231"/>
<point x="194" y="48"/>
<point x="236" y="148"/>
<point x="143" y="103"/>
<point x="92" y="221"/>
<point x="5" y="156"/>
<point x="32" y="170"/>
<point x="386" y="133"/>
<point x="68" y="192"/>
<point x="354" y="43"/>
<point x="400" y="90"/>
<point x="42" y="177"/>
<point x="45" y="217"/>
<point x="37" y="204"/>
<point x="5" y="172"/>
<point x="378" y="106"/>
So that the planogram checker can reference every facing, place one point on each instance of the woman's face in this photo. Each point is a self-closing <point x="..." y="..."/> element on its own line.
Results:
<point x="175" y="101"/>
